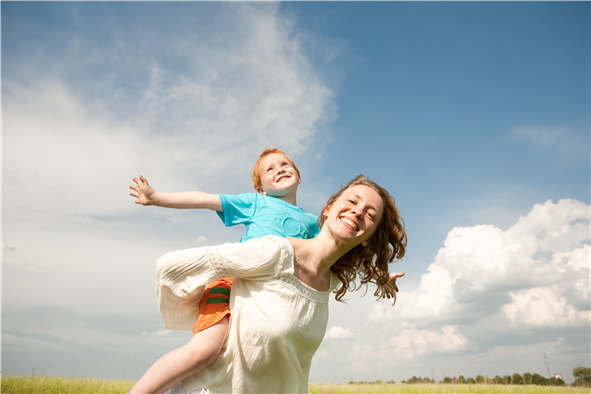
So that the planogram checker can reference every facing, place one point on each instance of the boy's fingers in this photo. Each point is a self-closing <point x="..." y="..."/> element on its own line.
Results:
<point x="134" y="195"/>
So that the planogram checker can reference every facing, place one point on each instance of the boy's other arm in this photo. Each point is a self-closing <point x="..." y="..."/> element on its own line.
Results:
<point x="146" y="195"/>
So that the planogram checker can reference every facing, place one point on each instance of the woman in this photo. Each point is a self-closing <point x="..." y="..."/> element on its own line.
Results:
<point x="279" y="301"/>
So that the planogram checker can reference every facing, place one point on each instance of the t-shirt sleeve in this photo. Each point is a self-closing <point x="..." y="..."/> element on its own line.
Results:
<point x="237" y="208"/>
<point x="313" y="228"/>
<point x="181" y="276"/>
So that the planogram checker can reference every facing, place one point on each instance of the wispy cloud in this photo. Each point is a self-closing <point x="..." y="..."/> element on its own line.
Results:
<point x="191" y="111"/>
<point x="565" y="142"/>
<point x="184" y="126"/>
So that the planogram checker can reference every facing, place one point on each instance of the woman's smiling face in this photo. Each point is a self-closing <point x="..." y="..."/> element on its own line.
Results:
<point x="355" y="214"/>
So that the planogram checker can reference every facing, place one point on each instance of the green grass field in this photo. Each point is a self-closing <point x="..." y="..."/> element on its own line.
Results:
<point x="439" y="388"/>
<point x="51" y="384"/>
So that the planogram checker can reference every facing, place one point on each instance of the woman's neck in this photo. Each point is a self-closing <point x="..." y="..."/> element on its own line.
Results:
<point x="314" y="257"/>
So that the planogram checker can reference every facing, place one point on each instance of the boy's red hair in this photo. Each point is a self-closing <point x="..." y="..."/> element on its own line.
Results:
<point x="256" y="171"/>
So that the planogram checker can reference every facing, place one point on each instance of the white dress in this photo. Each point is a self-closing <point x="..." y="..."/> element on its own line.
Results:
<point x="277" y="322"/>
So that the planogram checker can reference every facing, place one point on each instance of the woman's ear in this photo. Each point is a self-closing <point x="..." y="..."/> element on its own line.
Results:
<point x="325" y="211"/>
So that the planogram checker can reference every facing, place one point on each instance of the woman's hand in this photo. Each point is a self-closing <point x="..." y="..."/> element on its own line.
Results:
<point x="391" y="288"/>
<point x="142" y="191"/>
<point x="393" y="277"/>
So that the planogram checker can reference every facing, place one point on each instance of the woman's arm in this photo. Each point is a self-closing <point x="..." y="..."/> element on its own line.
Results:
<point x="146" y="195"/>
<point x="182" y="275"/>
<point x="392" y="288"/>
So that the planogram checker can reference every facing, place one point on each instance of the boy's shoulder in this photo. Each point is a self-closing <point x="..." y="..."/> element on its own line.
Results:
<point x="241" y="197"/>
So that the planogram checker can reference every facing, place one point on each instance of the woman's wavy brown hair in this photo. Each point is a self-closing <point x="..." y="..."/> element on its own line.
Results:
<point x="370" y="262"/>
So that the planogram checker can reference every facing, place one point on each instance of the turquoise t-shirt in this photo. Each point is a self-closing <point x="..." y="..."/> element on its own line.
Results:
<point x="263" y="215"/>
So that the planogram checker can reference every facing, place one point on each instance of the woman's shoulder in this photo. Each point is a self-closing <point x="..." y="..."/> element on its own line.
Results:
<point x="272" y="241"/>
<point x="272" y="247"/>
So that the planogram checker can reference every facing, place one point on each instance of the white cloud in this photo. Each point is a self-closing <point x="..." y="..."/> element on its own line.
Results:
<point x="64" y="160"/>
<point x="197" y="126"/>
<point x="200" y="126"/>
<point x="542" y="307"/>
<point x="479" y="269"/>
<point x="338" y="332"/>
<point x="195" y="115"/>
<point x="411" y="342"/>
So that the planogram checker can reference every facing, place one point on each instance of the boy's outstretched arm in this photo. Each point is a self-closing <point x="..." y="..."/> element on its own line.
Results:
<point x="145" y="195"/>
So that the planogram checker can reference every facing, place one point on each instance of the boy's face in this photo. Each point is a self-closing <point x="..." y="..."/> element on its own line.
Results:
<point x="278" y="177"/>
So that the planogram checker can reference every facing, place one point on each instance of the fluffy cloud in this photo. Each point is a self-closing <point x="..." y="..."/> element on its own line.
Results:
<point x="407" y="345"/>
<point x="536" y="269"/>
<point x="542" y="307"/>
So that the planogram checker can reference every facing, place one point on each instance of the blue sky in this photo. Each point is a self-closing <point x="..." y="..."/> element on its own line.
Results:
<point x="475" y="116"/>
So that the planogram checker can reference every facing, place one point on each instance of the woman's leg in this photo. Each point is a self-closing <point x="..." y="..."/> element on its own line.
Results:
<point x="202" y="350"/>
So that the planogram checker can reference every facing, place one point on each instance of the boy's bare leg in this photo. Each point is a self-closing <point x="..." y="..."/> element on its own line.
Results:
<point x="202" y="350"/>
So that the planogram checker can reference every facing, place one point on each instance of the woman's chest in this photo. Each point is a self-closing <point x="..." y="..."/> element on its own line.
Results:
<point x="277" y="311"/>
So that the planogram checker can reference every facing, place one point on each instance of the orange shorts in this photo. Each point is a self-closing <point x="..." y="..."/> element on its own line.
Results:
<point x="214" y="305"/>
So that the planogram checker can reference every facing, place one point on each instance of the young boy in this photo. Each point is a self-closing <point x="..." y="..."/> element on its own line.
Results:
<point x="270" y="211"/>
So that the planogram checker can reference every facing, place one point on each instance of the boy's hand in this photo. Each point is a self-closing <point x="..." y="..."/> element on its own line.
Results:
<point x="142" y="191"/>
